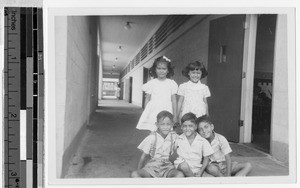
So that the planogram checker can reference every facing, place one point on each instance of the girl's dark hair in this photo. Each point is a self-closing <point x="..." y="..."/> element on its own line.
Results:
<point x="189" y="117"/>
<point x="162" y="59"/>
<point x="163" y="115"/>
<point x="194" y="66"/>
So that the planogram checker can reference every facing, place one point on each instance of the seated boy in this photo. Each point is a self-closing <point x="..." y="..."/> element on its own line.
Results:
<point x="220" y="160"/>
<point x="192" y="149"/>
<point x="158" y="146"/>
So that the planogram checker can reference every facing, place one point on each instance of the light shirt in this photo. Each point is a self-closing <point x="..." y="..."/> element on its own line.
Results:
<point x="192" y="153"/>
<point x="221" y="148"/>
<point x="162" y="147"/>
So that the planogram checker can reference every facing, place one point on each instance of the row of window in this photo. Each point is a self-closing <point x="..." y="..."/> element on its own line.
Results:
<point x="169" y="26"/>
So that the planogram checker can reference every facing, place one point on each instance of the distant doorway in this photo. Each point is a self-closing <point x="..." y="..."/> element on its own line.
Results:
<point x="263" y="82"/>
<point x="130" y="90"/>
<point x="146" y="77"/>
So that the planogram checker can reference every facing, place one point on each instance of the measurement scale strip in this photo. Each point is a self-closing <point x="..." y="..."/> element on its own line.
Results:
<point x="24" y="83"/>
<point x="12" y="128"/>
<point x="23" y="114"/>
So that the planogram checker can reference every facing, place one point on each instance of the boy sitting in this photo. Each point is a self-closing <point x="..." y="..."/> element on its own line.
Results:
<point x="193" y="150"/>
<point x="159" y="146"/>
<point x="220" y="162"/>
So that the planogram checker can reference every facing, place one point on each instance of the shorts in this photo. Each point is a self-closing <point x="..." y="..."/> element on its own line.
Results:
<point x="222" y="166"/>
<point x="159" y="168"/>
<point x="195" y="165"/>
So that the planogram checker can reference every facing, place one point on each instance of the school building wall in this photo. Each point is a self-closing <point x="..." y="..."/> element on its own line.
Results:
<point x="280" y="114"/>
<point x="190" y="43"/>
<point x="77" y="82"/>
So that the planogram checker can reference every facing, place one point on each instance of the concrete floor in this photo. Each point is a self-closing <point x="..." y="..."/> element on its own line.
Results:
<point x="108" y="148"/>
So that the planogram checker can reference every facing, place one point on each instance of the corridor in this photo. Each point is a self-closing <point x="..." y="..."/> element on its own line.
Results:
<point x="108" y="147"/>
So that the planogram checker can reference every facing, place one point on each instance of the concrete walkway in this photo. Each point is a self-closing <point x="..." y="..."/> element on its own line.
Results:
<point x="108" y="148"/>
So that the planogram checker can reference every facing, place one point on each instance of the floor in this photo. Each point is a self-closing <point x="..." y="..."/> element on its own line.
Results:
<point x="108" y="148"/>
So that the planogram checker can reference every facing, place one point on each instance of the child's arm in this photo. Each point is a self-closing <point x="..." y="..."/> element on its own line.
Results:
<point x="206" y="106"/>
<point x="143" y="160"/>
<point x="147" y="99"/>
<point x="228" y="164"/>
<point x="174" y="106"/>
<point x="180" y="101"/>
<point x="204" y="165"/>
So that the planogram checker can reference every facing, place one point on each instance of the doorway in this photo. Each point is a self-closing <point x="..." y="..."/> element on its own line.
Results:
<point x="130" y="90"/>
<point x="146" y="77"/>
<point x="263" y="81"/>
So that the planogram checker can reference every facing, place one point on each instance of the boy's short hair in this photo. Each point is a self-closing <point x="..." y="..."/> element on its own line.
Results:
<point x="164" y="114"/>
<point x="188" y="117"/>
<point x="204" y="118"/>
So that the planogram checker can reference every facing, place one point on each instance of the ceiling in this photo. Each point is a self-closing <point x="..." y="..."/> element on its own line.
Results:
<point x="113" y="34"/>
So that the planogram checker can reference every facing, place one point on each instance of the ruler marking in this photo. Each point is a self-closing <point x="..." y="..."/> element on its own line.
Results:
<point x="12" y="19"/>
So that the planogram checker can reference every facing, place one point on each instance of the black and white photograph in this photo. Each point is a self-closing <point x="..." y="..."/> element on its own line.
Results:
<point x="222" y="78"/>
<point x="169" y="95"/>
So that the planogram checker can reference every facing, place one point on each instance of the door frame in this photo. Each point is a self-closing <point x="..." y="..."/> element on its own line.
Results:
<point x="248" y="80"/>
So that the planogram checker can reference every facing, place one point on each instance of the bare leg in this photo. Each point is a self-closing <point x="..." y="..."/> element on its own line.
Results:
<point x="175" y="174"/>
<point x="213" y="170"/>
<point x="242" y="169"/>
<point x="185" y="168"/>
<point x="141" y="173"/>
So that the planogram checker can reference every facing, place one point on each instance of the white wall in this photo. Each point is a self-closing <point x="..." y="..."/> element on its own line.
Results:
<point x="76" y="81"/>
<point x="81" y="56"/>
<point x="280" y="110"/>
<point x="189" y="43"/>
<point x="61" y="25"/>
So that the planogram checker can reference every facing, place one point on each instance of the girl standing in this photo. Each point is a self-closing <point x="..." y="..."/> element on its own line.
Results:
<point x="193" y="94"/>
<point x="160" y="94"/>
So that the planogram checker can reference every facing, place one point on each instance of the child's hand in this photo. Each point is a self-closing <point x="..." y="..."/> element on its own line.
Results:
<point x="198" y="174"/>
<point x="177" y="128"/>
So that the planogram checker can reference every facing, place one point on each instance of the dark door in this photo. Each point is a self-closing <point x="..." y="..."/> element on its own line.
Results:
<point x="122" y="90"/>
<point x="145" y="80"/>
<point x="130" y="90"/>
<point x="225" y="61"/>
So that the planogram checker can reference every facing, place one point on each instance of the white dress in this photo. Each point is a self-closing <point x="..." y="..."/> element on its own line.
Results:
<point x="194" y="94"/>
<point x="161" y="92"/>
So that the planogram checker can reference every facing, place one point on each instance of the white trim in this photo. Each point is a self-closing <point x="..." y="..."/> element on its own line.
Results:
<point x="247" y="82"/>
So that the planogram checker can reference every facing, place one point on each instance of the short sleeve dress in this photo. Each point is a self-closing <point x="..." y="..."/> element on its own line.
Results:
<point x="194" y="94"/>
<point x="161" y="92"/>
